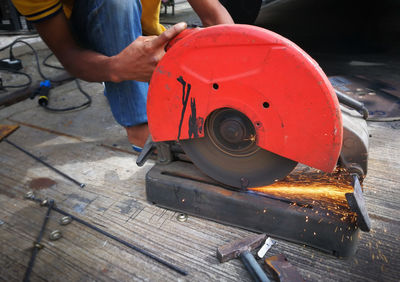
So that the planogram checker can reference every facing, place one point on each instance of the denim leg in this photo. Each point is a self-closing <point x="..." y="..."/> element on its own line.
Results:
<point x="107" y="27"/>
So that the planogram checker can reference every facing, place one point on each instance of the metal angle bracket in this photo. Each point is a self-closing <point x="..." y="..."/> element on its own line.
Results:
<point x="357" y="204"/>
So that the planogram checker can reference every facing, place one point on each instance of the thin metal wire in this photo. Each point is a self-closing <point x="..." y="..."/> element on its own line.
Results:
<point x="46" y="164"/>
<point x="38" y="240"/>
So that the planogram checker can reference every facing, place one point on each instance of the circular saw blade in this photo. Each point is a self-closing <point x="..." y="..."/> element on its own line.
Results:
<point x="232" y="160"/>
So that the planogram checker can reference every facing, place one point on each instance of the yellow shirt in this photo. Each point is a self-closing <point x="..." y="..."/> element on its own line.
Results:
<point x="151" y="17"/>
<point x="39" y="10"/>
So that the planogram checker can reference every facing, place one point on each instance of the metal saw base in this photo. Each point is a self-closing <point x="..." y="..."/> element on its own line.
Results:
<point x="180" y="186"/>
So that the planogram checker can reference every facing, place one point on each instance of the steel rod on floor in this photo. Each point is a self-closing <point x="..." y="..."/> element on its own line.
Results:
<point x="46" y="164"/>
<point x="32" y="197"/>
<point x="129" y="245"/>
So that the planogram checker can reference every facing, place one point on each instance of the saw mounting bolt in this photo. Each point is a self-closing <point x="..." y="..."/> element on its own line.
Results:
<point x="182" y="217"/>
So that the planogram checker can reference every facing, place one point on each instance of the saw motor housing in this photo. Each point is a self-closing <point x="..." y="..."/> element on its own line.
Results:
<point x="281" y="90"/>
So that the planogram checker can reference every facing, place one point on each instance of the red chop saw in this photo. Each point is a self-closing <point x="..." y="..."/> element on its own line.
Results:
<point x="245" y="106"/>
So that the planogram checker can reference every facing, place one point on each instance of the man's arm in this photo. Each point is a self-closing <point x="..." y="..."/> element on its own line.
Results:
<point x="136" y="62"/>
<point x="211" y="12"/>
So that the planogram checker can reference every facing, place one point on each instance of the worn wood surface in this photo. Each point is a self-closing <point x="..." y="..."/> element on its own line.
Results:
<point x="89" y="146"/>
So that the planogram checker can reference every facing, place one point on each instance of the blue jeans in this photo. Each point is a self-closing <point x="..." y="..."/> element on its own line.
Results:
<point x="107" y="27"/>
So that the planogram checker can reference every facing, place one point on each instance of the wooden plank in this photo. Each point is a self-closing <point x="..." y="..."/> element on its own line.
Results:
<point x="114" y="199"/>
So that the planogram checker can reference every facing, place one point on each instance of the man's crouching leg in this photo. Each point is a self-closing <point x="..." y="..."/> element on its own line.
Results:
<point x="137" y="135"/>
<point x="108" y="26"/>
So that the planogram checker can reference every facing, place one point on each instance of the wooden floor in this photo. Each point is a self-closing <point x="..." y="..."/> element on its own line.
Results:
<point x="92" y="148"/>
<point x="89" y="146"/>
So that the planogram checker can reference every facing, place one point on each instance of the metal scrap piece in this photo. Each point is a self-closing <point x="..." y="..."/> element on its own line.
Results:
<point x="282" y="269"/>
<point x="65" y="220"/>
<point x="55" y="235"/>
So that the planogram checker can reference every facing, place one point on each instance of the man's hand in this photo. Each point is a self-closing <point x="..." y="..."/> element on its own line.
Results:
<point x="135" y="62"/>
<point x="139" y="59"/>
